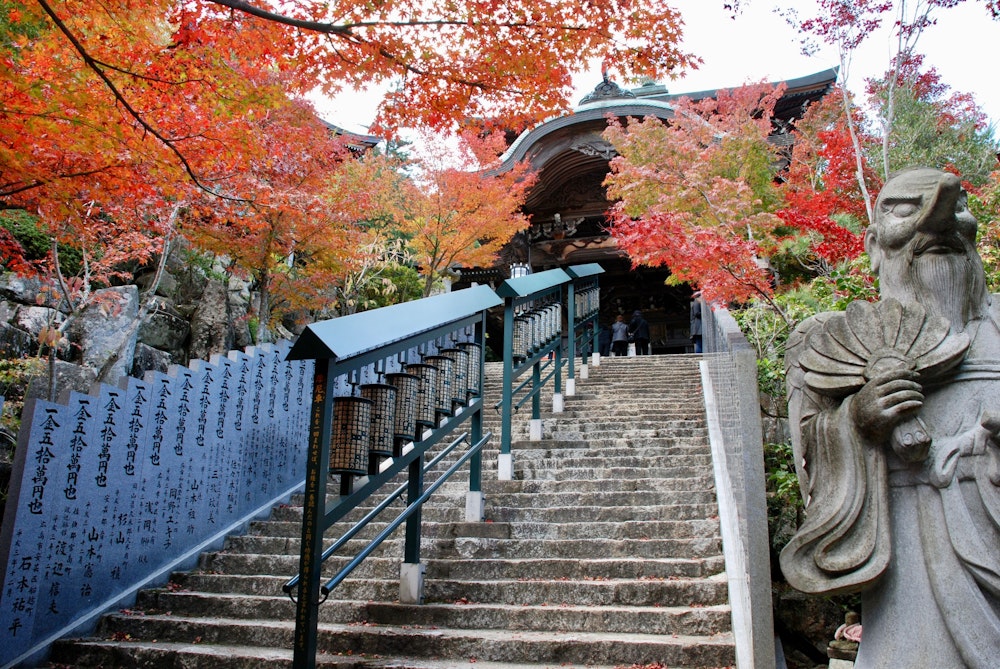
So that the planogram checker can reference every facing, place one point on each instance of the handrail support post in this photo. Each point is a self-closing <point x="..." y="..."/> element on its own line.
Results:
<point x="310" y="564"/>
<point x="411" y="574"/>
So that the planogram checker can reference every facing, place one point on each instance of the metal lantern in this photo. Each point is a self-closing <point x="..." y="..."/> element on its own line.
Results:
<point x="459" y="381"/>
<point x="426" y="392"/>
<point x="349" y="438"/>
<point x="383" y="397"/>
<point x="475" y="360"/>
<point x="445" y="380"/>
<point x="405" y="423"/>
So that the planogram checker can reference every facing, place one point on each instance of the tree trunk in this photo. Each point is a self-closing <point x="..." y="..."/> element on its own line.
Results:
<point x="264" y="307"/>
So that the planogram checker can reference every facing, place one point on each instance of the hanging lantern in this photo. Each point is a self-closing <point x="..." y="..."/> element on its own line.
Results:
<point x="475" y="354"/>
<point x="459" y="382"/>
<point x="445" y="380"/>
<point x="349" y="438"/>
<point x="405" y="423"/>
<point x="383" y="397"/>
<point x="426" y="392"/>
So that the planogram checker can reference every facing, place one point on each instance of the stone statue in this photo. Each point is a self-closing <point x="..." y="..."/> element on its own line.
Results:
<point x="895" y="414"/>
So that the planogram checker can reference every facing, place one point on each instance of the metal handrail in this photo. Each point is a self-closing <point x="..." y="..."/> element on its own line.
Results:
<point x="537" y="389"/>
<point x="527" y="382"/>
<point x="379" y="508"/>
<point x="408" y="511"/>
<point x="369" y="343"/>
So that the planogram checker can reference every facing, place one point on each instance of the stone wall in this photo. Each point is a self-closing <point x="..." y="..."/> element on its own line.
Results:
<point x="127" y="330"/>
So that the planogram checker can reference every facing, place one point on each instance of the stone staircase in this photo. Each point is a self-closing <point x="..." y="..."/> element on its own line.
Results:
<point x="603" y="552"/>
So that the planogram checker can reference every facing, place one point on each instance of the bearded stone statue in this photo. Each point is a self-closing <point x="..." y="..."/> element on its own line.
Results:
<point x="895" y="415"/>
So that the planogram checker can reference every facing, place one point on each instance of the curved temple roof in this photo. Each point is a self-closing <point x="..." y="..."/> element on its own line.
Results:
<point x="650" y="100"/>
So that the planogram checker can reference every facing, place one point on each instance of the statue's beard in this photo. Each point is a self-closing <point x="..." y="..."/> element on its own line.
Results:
<point x="951" y="285"/>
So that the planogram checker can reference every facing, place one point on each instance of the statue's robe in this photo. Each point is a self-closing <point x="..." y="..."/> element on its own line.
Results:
<point x="920" y="541"/>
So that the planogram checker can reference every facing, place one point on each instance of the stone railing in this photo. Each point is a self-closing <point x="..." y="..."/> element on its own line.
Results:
<point x="112" y="490"/>
<point x="729" y="374"/>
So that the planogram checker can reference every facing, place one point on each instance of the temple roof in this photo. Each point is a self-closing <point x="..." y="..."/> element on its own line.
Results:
<point x="799" y="92"/>
<point x="582" y="128"/>
<point x="571" y="156"/>
<point x="356" y="142"/>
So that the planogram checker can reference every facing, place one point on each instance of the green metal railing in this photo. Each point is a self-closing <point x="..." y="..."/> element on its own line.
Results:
<point x="582" y="309"/>
<point x="368" y="345"/>
<point x="535" y="307"/>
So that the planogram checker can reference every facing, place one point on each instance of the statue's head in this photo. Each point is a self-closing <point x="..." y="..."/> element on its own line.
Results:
<point x="922" y="245"/>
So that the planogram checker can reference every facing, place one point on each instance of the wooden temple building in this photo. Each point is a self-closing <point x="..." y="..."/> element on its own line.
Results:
<point x="567" y="205"/>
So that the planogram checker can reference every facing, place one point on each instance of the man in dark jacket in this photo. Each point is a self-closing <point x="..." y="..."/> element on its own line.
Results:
<point x="638" y="331"/>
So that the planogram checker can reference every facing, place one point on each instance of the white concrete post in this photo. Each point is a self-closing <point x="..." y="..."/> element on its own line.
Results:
<point x="475" y="506"/>
<point x="411" y="583"/>
<point x="505" y="467"/>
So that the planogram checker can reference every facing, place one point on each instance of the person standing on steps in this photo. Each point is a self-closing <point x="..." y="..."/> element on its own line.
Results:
<point x="696" y="320"/>
<point x="619" y="336"/>
<point x="638" y="331"/>
<point x="604" y="341"/>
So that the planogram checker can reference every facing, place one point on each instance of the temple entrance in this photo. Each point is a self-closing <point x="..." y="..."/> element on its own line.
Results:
<point x="568" y="204"/>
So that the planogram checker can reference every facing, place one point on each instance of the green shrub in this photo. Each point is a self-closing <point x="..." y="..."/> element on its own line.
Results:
<point x="36" y="242"/>
<point x="15" y="374"/>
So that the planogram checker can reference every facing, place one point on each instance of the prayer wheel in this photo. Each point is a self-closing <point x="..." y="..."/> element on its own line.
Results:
<point x="405" y="423"/>
<point x="475" y="360"/>
<point x="459" y="383"/>
<point x="521" y="337"/>
<point x="445" y="380"/>
<point x="383" y="416"/>
<point x="350" y="436"/>
<point x="426" y="392"/>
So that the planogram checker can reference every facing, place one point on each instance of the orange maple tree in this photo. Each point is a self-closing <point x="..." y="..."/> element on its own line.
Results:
<point x="123" y="123"/>
<point x="697" y="194"/>
<point x="159" y="86"/>
<point x="460" y="213"/>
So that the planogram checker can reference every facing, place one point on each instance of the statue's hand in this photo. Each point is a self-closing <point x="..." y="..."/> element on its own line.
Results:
<point x="887" y="399"/>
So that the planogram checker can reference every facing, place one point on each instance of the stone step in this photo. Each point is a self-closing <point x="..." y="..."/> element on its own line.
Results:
<point x="582" y="528"/>
<point x="534" y="493"/>
<point x="611" y="445"/>
<point x="379" y="641"/>
<point x="603" y="552"/>
<point x="674" y="591"/>
<point x="692" y="474"/>
<point x="158" y="655"/>
<point x="598" y="492"/>
<point x="388" y="567"/>
<point x="496" y="511"/>
<point x="688" y="620"/>
<point x="480" y="547"/>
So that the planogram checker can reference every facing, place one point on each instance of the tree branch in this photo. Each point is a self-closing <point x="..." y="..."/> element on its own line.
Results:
<point x="96" y="67"/>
